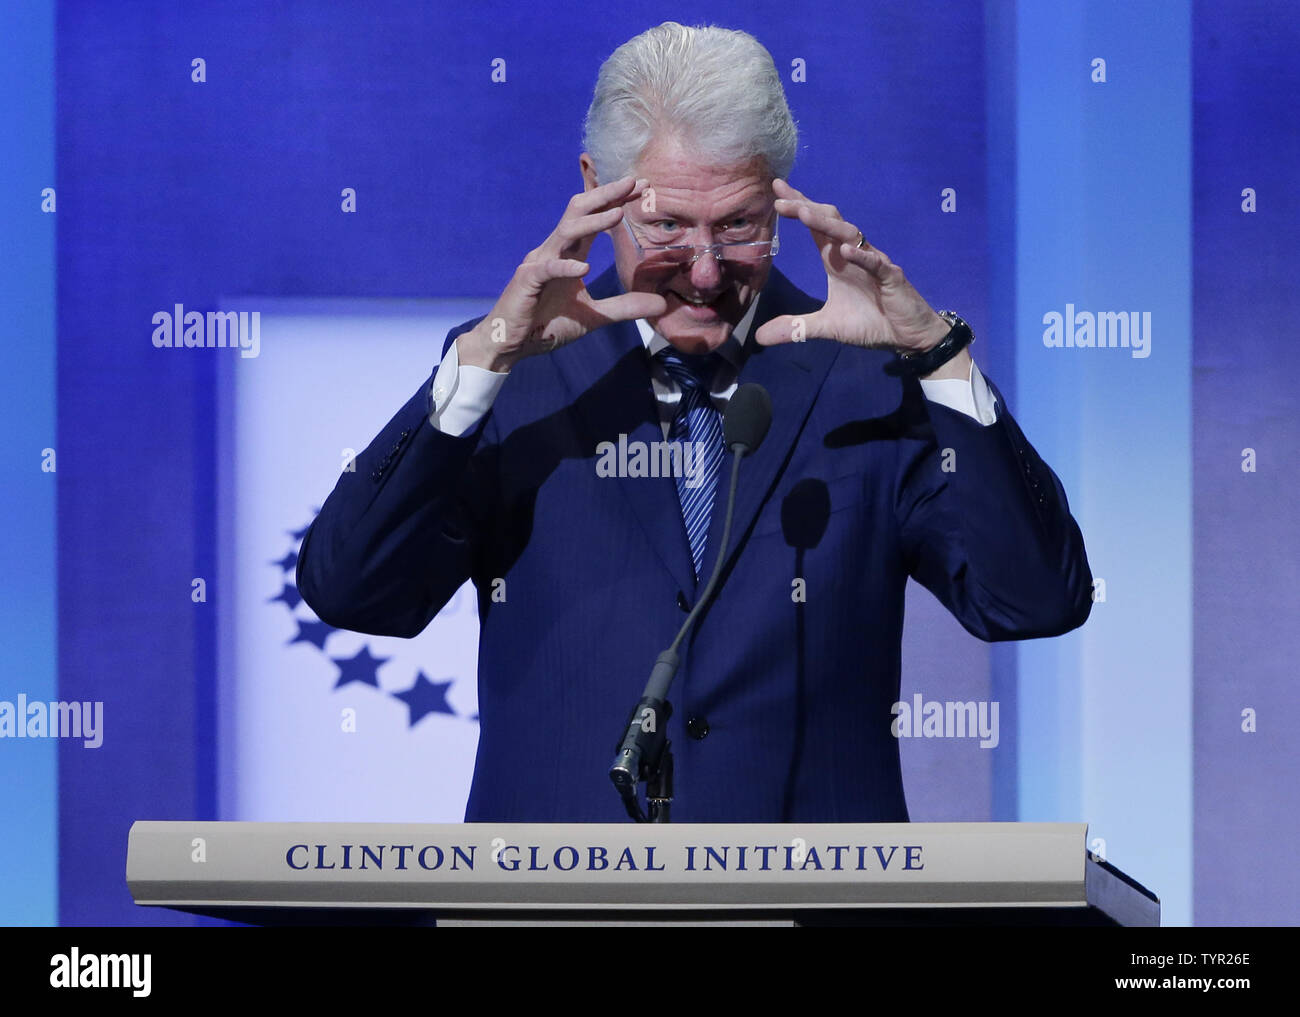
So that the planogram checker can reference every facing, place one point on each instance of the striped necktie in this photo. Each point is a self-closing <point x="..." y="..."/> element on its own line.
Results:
<point x="699" y="424"/>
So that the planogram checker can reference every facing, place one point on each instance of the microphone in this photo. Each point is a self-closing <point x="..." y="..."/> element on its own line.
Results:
<point x="744" y="426"/>
<point x="748" y="416"/>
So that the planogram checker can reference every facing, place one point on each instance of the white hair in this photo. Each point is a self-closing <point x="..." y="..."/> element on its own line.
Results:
<point x="715" y="89"/>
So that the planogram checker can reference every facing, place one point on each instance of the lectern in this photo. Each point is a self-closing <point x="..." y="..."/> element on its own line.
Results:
<point x="553" y="874"/>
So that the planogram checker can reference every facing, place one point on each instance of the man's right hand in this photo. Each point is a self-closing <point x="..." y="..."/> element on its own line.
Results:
<point x="546" y="305"/>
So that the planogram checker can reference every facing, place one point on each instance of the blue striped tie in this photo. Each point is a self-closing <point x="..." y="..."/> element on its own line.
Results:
<point x="699" y="423"/>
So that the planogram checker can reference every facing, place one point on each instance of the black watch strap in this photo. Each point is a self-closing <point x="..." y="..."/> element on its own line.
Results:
<point x="920" y="364"/>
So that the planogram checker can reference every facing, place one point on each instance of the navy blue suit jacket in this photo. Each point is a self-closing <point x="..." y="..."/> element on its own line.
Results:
<point x="847" y="494"/>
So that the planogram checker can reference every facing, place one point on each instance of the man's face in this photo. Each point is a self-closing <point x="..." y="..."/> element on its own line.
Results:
<point x="694" y="203"/>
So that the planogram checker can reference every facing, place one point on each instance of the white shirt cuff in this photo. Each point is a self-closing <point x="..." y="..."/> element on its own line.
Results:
<point x="462" y="395"/>
<point x="972" y="397"/>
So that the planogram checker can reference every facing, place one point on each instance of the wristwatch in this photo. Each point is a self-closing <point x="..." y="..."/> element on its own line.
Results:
<point x="958" y="338"/>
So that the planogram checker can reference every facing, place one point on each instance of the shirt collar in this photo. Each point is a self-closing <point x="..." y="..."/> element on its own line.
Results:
<point x="732" y="351"/>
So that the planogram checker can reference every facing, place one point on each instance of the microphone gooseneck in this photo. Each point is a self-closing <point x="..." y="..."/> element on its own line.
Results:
<point x="644" y="747"/>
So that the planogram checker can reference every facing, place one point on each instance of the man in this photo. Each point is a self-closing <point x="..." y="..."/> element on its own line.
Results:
<point x="521" y="465"/>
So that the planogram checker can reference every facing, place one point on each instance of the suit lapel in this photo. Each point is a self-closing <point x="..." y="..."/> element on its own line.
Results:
<point x="793" y="374"/>
<point x="607" y="373"/>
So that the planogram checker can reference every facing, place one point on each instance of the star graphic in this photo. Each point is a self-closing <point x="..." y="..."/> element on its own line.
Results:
<point x="361" y="668"/>
<point x="314" y="632"/>
<point x="425" y="697"/>
<point x="421" y="699"/>
<point x="289" y="594"/>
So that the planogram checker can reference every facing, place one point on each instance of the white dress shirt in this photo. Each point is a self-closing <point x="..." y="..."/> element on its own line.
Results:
<point x="463" y="395"/>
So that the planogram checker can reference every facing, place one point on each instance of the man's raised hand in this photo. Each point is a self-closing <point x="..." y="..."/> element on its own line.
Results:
<point x="546" y="304"/>
<point x="869" y="301"/>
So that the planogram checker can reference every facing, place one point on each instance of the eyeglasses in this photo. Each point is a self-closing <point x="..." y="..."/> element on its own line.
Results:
<point x="656" y="251"/>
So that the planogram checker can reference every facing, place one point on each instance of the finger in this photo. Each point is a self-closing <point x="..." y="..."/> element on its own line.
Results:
<point x="576" y="227"/>
<point x="784" y="191"/>
<point x="630" y="306"/>
<point x="538" y="273"/>
<point x="832" y="227"/>
<point x="826" y="226"/>
<point x="618" y="192"/>
<point x="786" y="329"/>
<point x="577" y="230"/>
<point x="788" y="208"/>
<point x="872" y="260"/>
<point x="789" y="198"/>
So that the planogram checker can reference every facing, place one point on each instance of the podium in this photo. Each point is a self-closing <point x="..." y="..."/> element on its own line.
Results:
<point x="582" y="874"/>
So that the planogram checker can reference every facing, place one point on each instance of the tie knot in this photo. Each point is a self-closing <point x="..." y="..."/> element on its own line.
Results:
<point x="689" y="370"/>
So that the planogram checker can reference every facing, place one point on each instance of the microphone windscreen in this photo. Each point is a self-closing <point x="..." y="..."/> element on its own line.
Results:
<point x="748" y="416"/>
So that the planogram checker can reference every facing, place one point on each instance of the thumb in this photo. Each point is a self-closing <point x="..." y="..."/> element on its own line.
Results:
<point x="789" y="328"/>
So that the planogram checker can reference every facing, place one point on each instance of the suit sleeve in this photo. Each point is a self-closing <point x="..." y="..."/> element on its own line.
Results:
<point x="395" y="539"/>
<point x="986" y="527"/>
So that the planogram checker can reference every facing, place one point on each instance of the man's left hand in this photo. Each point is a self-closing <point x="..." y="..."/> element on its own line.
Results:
<point x="869" y="301"/>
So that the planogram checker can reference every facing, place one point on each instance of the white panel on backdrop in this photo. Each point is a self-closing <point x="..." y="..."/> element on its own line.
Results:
<point x="317" y="723"/>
